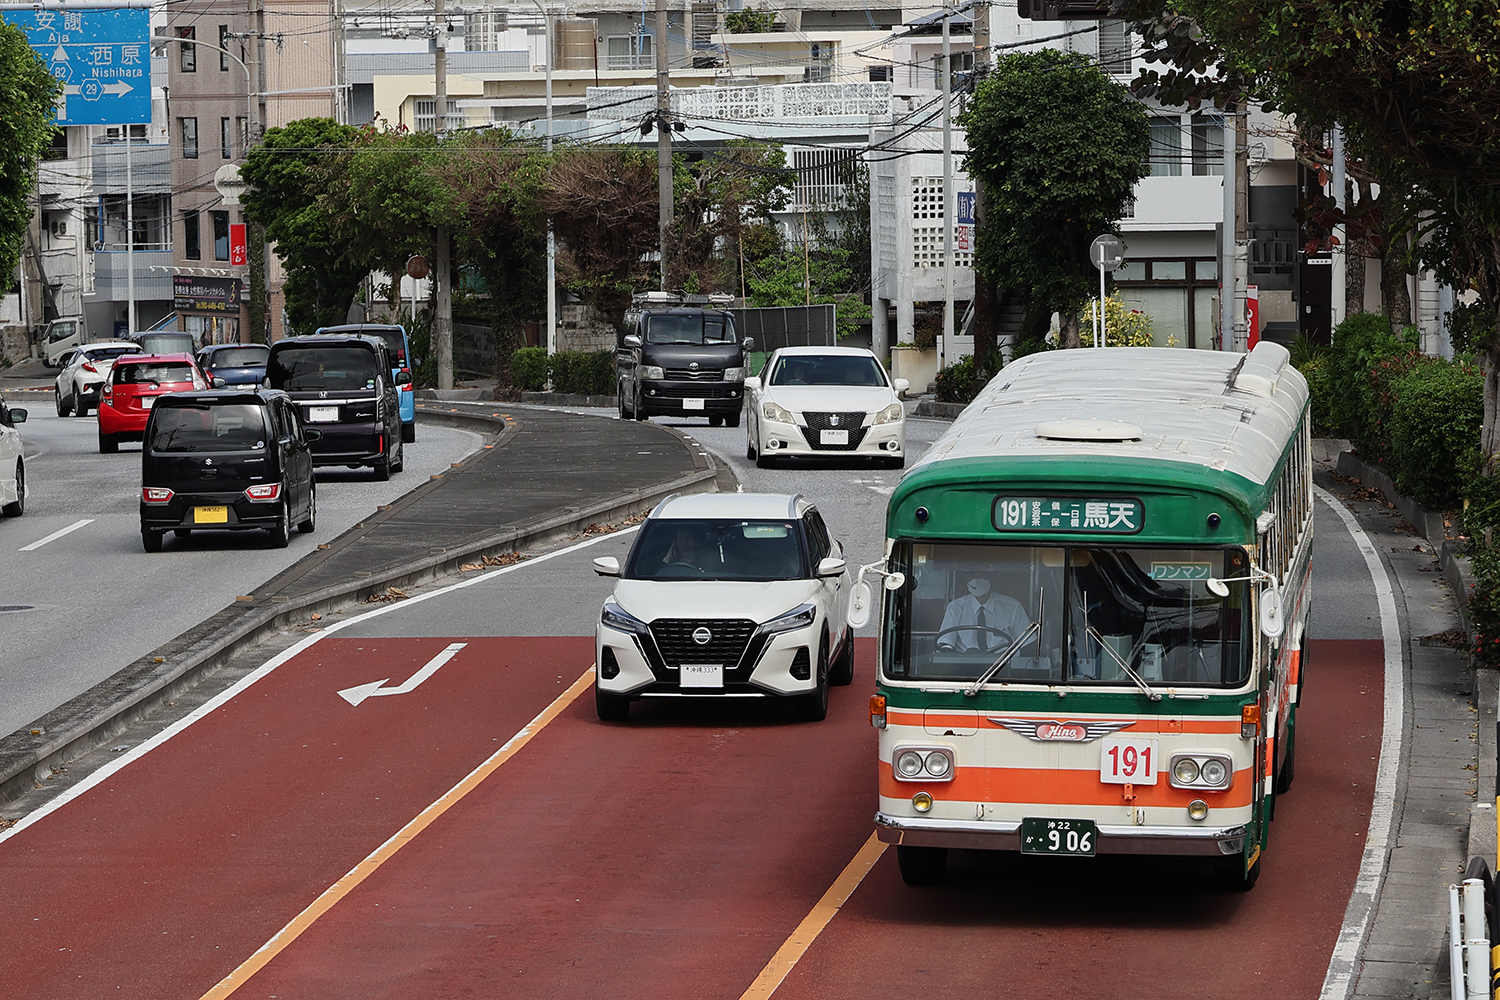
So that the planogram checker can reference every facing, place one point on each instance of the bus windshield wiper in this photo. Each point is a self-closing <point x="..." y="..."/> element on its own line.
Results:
<point x="1145" y="688"/>
<point x="1034" y="629"/>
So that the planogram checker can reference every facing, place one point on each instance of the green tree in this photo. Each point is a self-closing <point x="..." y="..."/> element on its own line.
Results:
<point x="29" y="95"/>
<point x="1059" y="147"/>
<point x="748" y="21"/>
<point x="285" y="173"/>
<point x="801" y="276"/>
<point x="719" y="200"/>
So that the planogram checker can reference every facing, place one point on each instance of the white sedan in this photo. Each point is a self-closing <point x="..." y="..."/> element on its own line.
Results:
<point x="12" y="463"/>
<point x="84" y="372"/>
<point x="825" y="401"/>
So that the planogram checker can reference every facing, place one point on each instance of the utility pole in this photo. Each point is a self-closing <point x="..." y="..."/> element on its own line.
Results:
<point x="983" y="325"/>
<point x="663" y="135"/>
<point x="1226" y="243"/>
<point x="129" y="241"/>
<point x="442" y="323"/>
<point x="950" y="197"/>
<point x="551" y="237"/>
<point x="256" y="249"/>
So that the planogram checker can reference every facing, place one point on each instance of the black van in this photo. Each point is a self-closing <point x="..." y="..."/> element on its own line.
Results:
<point x="680" y="360"/>
<point x="226" y="459"/>
<point x="342" y="385"/>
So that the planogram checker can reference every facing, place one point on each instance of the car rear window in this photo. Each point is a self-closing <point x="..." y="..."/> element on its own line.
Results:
<point x="303" y="368"/>
<point x="224" y="427"/>
<point x="239" y="357"/>
<point x="393" y="341"/>
<point x="104" y="353"/>
<point x="152" y="372"/>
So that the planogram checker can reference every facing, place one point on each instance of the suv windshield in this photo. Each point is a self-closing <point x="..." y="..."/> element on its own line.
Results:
<point x="340" y="368"/>
<point x="152" y="372"/>
<point x="688" y="328"/>
<point x="729" y="549"/>
<point x="226" y="427"/>
<point x="239" y="357"/>
<point x="828" y="369"/>
<point x="1095" y="608"/>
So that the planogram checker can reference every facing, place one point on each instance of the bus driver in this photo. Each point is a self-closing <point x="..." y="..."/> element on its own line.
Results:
<point x="997" y="620"/>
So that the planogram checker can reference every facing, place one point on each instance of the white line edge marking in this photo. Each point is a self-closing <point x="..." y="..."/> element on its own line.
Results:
<point x="1358" y="915"/>
<point x="214" y="703"/>
<point x="55" y="535"/>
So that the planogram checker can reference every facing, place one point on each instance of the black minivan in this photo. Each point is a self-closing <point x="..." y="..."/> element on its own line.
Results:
<point x="226" y="459"/>
<point x="673" y="359"/>
<point x="342" y="385"/>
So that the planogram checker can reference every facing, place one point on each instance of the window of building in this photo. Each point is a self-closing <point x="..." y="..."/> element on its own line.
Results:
<point x="188" y="52"/>
<point x="189" y="138"/>
<point x="1166" y="146"/>
<point x="629" y="52"/>
<point x="425" y="117"/>
<point x="221" y="235"/>
<point x="192" y="241"/>
<point x="961" y="63"/>
<point x="880" y="74"/>
<point x="224" y="44"/>
<point x="226" y="139"/>
<point x="1208" y="146"/>
<point x="1114" y="47"/>
<point x="1179" y="296"/>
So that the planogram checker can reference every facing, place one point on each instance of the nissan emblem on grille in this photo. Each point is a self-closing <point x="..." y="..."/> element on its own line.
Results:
<point x="702" y="636"/>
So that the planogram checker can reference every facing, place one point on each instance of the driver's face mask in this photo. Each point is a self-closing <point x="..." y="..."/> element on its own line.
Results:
<point x="979" y="588"/>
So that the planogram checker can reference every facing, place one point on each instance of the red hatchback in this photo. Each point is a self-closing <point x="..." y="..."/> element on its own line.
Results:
<point x="134" y="384"/>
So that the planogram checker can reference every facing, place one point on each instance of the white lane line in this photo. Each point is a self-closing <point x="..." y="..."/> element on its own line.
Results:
<point x="55" y="535"/>
<point x="1343" y="966"/>
<point x="214" y="703"/>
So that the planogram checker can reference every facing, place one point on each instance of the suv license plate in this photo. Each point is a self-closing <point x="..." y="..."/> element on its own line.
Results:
<point x="322" y="414"/>
<point x="210" y="515"/>
<point x="702" y="675"/>
<point x="833" y="437"/>
<point x="692" y="404"/>
<point x="1075" y="837"/>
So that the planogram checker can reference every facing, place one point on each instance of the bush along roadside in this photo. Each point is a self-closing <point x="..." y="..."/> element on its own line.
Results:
<point x="589" y="373"/>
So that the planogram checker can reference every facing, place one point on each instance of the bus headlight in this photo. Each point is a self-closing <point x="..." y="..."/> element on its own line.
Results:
<point x="1214" y="772"/>
<point x="1208" y="769"/>
<point x="1185" y="771"/>
<point x="910" y="764"/>
<point x="921" y="763"/>
<point x="938" y="764"/>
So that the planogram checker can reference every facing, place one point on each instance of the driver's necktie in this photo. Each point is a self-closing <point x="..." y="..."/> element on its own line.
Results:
<point x="984" y="635"/>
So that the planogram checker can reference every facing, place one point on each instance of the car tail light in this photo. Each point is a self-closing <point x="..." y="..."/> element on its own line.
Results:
<point x="155" y="494"/>
<point x="264" y="493"/>
<point x="88" y="366"/>
<point x="108" y="390"/>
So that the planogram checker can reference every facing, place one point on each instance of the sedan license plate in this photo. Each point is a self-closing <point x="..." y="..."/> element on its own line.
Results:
<point x="322" y="414"/>
<point x="702" y="675"/>
<point x="833" y="437"/>
<point x="1076" y="837"/>
<point x="210" y="515"/>
<point x="692" y="404"/>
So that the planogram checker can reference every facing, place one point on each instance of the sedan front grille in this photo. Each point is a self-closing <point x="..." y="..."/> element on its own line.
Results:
<point x="819" y="422"/>
<point x="726" y="643"/>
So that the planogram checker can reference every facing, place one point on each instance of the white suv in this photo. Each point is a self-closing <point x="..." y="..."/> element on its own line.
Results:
<point x="726" y="594"/>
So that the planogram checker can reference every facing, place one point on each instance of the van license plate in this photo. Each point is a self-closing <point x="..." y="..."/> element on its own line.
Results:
<point x="692" y="404"/>
<point x="210" y="515"/>
<point x="702" y="675"/>
<point x="1076" y="837"/>
<point x="322" y="414"/>
<point x="833" y="437"/>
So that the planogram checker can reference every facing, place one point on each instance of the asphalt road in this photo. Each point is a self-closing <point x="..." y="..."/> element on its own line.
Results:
<point x="78" y="608"/>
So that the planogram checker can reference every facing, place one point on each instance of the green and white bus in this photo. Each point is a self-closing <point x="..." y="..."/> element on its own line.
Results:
<point x="1096" y="587"/>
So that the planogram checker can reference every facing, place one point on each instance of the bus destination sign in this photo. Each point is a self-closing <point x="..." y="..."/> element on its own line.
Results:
<point x="1085" y="515"/>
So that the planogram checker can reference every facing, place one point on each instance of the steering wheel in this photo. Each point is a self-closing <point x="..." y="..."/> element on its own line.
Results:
<point x="1002" y="636"/>
<point x="686" y="565"/>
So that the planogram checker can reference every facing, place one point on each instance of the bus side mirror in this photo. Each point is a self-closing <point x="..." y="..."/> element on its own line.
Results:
<point x="1272" y="624"/>
<point x="859" y="605"/>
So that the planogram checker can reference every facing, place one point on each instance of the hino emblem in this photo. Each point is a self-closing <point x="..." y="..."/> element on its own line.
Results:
<point x="702" y="636"/>
<point x="1049" y="731"/>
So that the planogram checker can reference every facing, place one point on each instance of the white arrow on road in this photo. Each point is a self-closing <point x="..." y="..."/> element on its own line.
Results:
<point x="355" y="695"/>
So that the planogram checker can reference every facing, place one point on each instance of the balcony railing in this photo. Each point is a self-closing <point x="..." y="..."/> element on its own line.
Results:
<point x="767" y="104"/>
<point x="153" y="276"/>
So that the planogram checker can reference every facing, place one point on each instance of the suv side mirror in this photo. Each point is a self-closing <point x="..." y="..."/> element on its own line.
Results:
<point x="831" y="566"/>
<point x="607" y="566"/>
<point x="217" y="382"/>
<point x="753" y="382"/>
<point x="902" y="385"/>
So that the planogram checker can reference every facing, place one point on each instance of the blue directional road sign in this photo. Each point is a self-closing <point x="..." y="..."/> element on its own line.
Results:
<point x="101" y="55"/>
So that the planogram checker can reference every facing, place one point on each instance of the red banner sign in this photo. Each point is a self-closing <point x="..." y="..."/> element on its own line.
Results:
<point x="239" y="252"/>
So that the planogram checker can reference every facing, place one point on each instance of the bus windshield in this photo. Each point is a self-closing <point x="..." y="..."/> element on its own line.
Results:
<point x="1096" y="611"/>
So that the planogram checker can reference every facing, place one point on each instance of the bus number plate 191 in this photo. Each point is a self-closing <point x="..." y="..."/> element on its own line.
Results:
<point x="1125" y="761"/>
<point x="1058" y="836"/>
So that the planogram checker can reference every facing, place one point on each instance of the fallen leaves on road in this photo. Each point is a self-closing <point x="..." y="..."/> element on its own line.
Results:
<point x="390" y="594"/>
<point x="504" y="559"/>
<point x="604" y="529"/>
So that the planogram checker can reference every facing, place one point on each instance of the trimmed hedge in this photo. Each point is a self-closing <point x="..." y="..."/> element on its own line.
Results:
<point x="961" y="381"/>
<point x="1436" y="414"/>
<point x="582" y="372"/>
<point x="528" y="369"/>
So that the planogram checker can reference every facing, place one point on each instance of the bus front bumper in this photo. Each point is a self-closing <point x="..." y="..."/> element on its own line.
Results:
<point x="985" y="835"/>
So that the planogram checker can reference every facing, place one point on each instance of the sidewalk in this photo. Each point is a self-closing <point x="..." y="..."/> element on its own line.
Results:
<point x="541" y="475"/>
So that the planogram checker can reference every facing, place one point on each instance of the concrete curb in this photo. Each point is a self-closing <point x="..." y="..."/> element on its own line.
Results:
<point x="942" y="411"/>
<point x="569" y="399"/>
<point x="91" y="719"/>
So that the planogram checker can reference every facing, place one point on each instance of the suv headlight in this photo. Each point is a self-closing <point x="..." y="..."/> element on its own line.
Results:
<point x="651" y="371"/>
<point x="617" y="617"/>
<point x="779" y="414"/>
<point x="735" y="374"/>
<point x="801" y="616"/>
<point x="890" y="414"/>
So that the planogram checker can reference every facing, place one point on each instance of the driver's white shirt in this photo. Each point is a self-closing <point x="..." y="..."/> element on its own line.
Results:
<point x="1001" y="613"/>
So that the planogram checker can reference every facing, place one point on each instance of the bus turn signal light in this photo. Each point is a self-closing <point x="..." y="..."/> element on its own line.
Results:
<point x="1249" y="721"/>
<point x="877" y="711"/>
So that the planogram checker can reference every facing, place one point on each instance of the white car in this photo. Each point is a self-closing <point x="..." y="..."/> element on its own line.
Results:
<point x="84" y="373"/>
<point x="825" y="401"/>
<point x="12" y="462"/>
<point x="727" y="595"/>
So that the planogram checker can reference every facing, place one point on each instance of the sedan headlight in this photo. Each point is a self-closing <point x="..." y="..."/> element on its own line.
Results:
<point x="735" y="374"/>
<point x="779" y="414"/>
<point x="890" y="414"/>
<point x="617" y="617"/>
<point x="799" y="617"/>
<point x="651" y="371"/>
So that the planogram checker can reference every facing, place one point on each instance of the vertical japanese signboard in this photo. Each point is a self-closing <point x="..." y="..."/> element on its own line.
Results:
<point x="963" y="230"/>
<point x="239" y="255"/>
<point x="102" y="56"/>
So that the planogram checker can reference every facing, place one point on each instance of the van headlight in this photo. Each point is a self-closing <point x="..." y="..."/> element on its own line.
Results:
<point x="735" y="374"/>
<point x="778" y="414"/>
<point x="890" y="415"/>
<point x="651" y="371"/>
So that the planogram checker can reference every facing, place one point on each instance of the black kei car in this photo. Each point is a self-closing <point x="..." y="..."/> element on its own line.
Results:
<point x="342" y="385"/>
<point x="230" y="459"/>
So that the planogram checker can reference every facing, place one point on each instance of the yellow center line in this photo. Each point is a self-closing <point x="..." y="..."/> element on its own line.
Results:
<point x="400" y="839"/>
<point x="791" y="952"/>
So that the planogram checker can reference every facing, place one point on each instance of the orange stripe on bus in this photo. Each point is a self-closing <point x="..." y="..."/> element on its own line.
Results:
<point x="1207" y="726"/>
<point x="1294" y="672"/>
<point x="1045" y="786"/>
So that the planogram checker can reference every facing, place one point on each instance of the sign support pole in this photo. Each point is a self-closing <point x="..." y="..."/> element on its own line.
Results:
<point x="129" y="237"/>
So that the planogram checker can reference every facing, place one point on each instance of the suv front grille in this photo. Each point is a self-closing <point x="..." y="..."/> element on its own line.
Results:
<point x="674" y="638"/>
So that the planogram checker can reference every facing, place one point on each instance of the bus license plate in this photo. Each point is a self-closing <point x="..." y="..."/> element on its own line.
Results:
<point x="692" y="404"/>
<point x="833" y="437"/>
<point x="1058" y="836"/>
<point x="210" y="515"/>
<point x="702" y="675"/>
<point x="1128" y="762"/>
